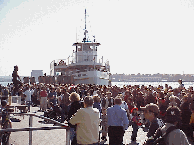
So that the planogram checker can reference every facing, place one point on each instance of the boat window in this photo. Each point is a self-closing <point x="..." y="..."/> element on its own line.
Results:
<point x="79" y="48"/>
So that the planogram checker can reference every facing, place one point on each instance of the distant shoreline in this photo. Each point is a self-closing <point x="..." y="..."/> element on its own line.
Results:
<point x="119" y="81"/>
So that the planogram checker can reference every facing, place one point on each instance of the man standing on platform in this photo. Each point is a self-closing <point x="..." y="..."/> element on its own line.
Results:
<point x="117" y="122"/>
<point x="16" y="80"/>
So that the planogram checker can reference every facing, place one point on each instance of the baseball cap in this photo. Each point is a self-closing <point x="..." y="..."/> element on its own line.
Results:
<point x="173" y="114"/>
<point x="151" y="107"/>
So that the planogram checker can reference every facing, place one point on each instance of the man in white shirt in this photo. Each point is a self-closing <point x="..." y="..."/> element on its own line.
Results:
<point x="87" y="121"/>
<point x="28" y="94"/>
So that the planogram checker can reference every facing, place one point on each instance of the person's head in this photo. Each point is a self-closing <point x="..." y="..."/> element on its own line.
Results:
<point x="161" y="95"/>
<point x="108" y="94"/>
<point x="102" y="95"/>
<point x="52" y="89"/>
<point x="16" y="68"/>
<point x="127" y="93"/>
<point x="96" y="98"/>
<point x="4" y="103"/>
<point x="173" y="115"/>
<point x="118" y="100"/>
<point x="185" y="98"/>
<point x="134" y="111"/>
<point x="129" y="100"/>
<point x="172" y="98"/>
<point x="74" y="97"/>
<point x="88" y="101"/>
<point x="51" y="104"/>
<point x="64" y="91"/>
<point x="150" y="111"/>
<point x="180" y="81"/>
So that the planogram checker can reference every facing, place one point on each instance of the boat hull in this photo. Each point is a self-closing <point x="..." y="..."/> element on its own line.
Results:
<point x="92" y="77"/>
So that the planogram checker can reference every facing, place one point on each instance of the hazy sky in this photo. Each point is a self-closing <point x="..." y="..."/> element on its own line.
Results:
<point x="136" y="36"/>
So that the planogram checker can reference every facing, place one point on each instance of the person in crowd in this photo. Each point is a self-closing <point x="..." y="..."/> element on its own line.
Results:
<point x="185" y="115"/>
<point x="75" y="105"/>
<point x="151" y="112"/>
<point x="5" y="122"/>
<point x="96" y="103"/>
<point x="64" y="104"/>
<point x="130" y="104"/>
<point x="134" y="122"/>
<point x="127" y="95"/>
<point x="87" y="121"/>
<point x="175" y="136"/>
<point x="117" y="122"/>
<point x="5" y="93"/>
<point x="104" y="104"/>
<point x="28" y="94"/>
<point x="162" y="104"/>
<point x="110" y="99"/>
<point x="52" y="96"/>
<point x="43" y="99"/>
<point x="150" y="98"/>
<point x="124" y="105"/>
<point x="140" y="100"/>
<point x="172" y="101"/>
<point x="191" y="131"/>
<point x="54" y="112"/>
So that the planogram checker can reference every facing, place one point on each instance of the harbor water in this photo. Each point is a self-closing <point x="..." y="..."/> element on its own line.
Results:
<point x="155" y="84"/>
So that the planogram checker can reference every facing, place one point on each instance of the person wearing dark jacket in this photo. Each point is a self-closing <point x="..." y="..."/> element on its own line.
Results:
<point x="75" y="105"/>
<point x="185" y="115"/>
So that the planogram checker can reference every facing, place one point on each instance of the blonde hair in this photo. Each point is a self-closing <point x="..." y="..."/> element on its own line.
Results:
<point x="172" y="98"/>
<point x="74" y="97"/>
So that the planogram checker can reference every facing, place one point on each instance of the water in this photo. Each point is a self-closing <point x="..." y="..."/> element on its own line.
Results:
<point x="5" y="83"/>
<point x="155" y="84"/>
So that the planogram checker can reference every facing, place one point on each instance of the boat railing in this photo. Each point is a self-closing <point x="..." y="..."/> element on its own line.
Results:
<point x="30" y="128"/>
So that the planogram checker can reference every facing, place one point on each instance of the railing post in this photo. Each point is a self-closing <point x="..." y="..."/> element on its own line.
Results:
<point x="30" y="132"/>
<point x="68" y="136"/>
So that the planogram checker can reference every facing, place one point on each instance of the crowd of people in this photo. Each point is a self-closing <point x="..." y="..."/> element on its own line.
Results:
<point x="114" y="109"/>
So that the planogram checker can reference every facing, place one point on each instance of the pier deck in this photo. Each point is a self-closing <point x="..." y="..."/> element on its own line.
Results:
<point x="57" y="136"/>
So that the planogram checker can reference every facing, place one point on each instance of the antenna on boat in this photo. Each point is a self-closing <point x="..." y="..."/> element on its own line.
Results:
<point x="76" y="34"/>
<point x="85" y="33"/>
<point x="85" y="22"/>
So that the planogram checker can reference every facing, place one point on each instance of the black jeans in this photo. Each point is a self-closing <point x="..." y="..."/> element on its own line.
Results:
<point x="115" y="134"/>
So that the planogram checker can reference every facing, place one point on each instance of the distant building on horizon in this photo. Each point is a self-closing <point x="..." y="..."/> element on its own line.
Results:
<point x="36" y="74"/>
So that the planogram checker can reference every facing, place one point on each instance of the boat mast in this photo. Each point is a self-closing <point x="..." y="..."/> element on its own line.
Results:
<point x="85" y="23"/>
<point x="85" y="32"/>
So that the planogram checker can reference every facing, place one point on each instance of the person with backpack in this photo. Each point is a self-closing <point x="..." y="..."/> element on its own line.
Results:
<point x="169" y="134"/>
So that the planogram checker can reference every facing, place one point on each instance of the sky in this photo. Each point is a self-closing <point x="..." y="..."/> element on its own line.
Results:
<point x="136" y="36"/>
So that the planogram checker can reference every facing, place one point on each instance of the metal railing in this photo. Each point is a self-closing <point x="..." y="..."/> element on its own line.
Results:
<point x="30" y="128"/>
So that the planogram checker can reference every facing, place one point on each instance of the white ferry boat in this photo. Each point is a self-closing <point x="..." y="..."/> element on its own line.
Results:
<point x="84" y="67"/>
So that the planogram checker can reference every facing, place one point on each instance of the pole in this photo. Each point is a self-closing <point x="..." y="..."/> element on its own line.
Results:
<point x="68" y="136"/>
<point x="30" y="132"/>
